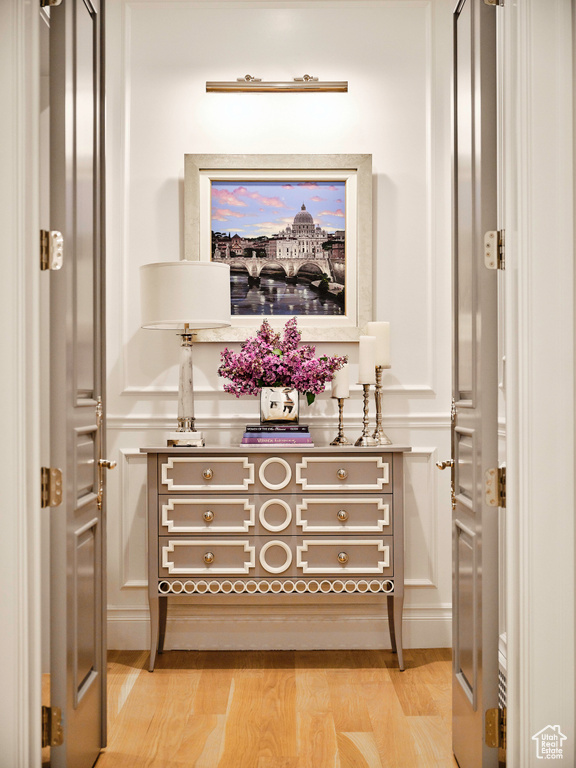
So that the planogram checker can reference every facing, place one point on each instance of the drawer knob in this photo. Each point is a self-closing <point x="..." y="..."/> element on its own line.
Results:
<point x="342" y="515"/>
<point x="342" y="558"/>
<point x="208" y="516"/>
<point x="207" y="474"/>
<point x="342" y="474"/>
<point x="209" y="558"/>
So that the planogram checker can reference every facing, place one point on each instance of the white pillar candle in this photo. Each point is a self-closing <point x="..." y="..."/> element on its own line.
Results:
<point x="367" y="360"/>
<point x="382" y="333"/>
<point x="341" y="383"/>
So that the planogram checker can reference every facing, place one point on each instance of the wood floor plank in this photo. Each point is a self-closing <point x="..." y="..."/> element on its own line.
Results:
<point x="279" y="727"/>
<point x="244" y="721"/>
<point x="433" y="742"/>
<point x="392" y="733"/>
<point x="312" y="691"/>
<point x="203" y="741"/>
<point x="358" y="750"/>
<point x="317" y="742"/>
<point x="347" y="702"/>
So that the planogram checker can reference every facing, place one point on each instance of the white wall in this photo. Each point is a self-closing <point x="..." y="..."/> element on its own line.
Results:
<point x="396" y="55"/>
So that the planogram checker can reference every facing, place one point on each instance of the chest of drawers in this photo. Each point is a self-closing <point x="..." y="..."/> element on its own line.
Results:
<point x="245" y="520"/>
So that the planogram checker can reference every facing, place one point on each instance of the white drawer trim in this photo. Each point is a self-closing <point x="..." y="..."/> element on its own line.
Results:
<point x="169" y="524"/>
<point x="336" y="569"/>
<point x="338" y="460"/>
<point x="279" y="568"/>
<point x="207" y="460"/>
<point x="343" y="501"/>
<point x="266" y="524"/>
<point x="262" y="475"/>
<point x="169" y="548"/>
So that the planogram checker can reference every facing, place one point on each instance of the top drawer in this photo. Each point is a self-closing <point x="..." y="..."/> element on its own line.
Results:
<point x="286" y="473"/>
<point x="350" y="473"/>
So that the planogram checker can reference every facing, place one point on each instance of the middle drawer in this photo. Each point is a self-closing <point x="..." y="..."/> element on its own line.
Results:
<point x="262" y="515"/>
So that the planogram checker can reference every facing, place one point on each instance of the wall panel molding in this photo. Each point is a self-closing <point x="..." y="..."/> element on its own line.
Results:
<point x="129" y="491"/>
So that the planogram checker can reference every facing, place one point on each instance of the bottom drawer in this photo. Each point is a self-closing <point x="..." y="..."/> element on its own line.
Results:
<point x="262" y="556"/>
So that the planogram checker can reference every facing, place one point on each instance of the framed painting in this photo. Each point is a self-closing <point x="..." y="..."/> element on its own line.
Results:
<point x="296" y="231"/>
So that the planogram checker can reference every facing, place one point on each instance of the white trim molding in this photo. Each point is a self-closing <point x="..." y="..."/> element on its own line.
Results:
<point x="540" y="392"/>
<point x="20" y="610"/>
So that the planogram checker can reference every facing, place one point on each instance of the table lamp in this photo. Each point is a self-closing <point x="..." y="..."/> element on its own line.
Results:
<point x="185" y="296"/>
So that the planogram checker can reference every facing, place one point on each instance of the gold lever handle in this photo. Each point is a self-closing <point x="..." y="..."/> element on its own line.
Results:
<point x="445" y="464"/>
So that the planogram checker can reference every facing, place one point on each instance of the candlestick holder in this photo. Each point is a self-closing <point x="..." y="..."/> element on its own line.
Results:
<point x="340" y="438"/>
<point x="379" y="435"/>
<point x="365" y="439"/>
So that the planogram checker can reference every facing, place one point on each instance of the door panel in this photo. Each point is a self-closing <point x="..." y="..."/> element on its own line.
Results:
<point x="78" y="661"/>
<point x="475" y="386"/>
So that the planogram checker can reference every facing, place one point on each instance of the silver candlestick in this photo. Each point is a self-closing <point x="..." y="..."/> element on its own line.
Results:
<point x="379" y="434"/>
<point x="365" y="439"/>
<point x="340" y="438"/>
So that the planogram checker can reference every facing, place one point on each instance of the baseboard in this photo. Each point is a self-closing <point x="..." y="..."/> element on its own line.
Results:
<point x="280" y="630"/>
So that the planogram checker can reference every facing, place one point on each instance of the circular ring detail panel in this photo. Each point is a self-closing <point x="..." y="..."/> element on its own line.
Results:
<point x="262" y="515"/>
<point x="269" y="463"/>
<point x="278" y="568"/>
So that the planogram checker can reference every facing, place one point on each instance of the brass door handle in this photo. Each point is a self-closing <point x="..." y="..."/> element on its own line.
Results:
<point x="445" y="464"/>
<point x="107" y="464"/>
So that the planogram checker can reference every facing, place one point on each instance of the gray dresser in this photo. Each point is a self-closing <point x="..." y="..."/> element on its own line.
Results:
<point x="284" y="520"/>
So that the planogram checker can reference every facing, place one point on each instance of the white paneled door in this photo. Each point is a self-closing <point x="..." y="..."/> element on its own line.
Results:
<point x="77" y="634"/>
<point x="475" y="385"/>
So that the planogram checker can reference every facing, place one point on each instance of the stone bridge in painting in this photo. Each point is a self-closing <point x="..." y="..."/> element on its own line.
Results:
<point x="291" y="266"/>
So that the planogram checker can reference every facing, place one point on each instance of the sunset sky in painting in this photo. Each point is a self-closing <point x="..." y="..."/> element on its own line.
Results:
<point x="255" y="208"/>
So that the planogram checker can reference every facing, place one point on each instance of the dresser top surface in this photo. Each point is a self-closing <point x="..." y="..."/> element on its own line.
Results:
<point x="275" y="449"/>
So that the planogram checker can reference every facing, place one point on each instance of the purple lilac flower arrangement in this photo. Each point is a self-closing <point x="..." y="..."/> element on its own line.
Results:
<point x="270" y="359"/>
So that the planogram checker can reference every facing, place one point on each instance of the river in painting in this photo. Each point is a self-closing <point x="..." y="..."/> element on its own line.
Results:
<point x="275" y="296"/>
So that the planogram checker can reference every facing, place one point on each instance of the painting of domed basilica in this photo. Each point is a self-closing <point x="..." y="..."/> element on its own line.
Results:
<point x="285" y="244"/>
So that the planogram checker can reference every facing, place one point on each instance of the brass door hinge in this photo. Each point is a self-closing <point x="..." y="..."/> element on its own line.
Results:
<point x="494" y="2"/>
<point x="46" y="3"/>
<point x="51" y="249"/>
<point x="52" y="728"/>
<point x="494" y="249"/>
<point x="51" y="487"/>
<point x="495" y="487"/>
<point x="495" y="728"/>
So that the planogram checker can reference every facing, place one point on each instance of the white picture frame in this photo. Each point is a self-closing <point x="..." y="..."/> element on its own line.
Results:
<point x="356" y="173"/>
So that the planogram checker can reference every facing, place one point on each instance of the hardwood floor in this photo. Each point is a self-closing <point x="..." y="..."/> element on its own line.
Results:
<point x="279" y="709"/>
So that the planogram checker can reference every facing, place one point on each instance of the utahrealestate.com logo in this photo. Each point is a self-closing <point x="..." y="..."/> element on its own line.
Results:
<point x="549" y="743"/>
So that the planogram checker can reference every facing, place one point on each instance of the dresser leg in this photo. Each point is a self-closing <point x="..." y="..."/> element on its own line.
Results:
<point x="154" y="626"/>
<point x="398" y="606"/>
<point x="390" y="604"/>
<point x="162" y="622"/>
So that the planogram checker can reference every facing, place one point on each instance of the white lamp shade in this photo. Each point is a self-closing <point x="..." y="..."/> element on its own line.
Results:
<point x="176" y="293"/>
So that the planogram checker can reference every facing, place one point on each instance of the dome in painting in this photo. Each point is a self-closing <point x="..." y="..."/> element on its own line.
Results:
<point x="303" y="217"/>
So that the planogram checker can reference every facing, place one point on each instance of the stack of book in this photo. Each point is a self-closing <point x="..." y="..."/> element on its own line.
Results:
<point x="277" y="434"/>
